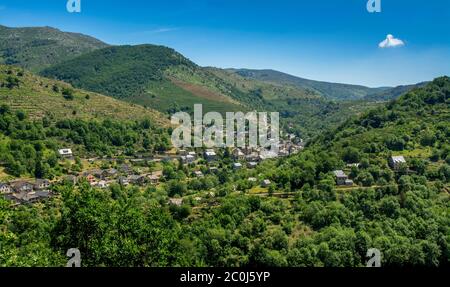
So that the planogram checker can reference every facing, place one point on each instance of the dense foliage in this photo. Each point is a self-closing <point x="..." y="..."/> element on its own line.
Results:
<point x="38" y="48"/>
<point x="404" y="212"/>
<point x="120" y="72"/>
<point x="30" y="147"/>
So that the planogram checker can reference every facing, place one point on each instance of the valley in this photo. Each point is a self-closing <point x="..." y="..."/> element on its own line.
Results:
<point x="86" y="161"/>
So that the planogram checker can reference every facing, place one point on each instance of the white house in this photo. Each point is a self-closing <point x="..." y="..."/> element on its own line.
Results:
<point x="123" y="181"/>
<point x="266" y="183"/>
<point x="237" y="165"/>
<point x="396" y="161"/>
<point x="210" y="155"/>
<point x="102" y="184"/>
<point x="187" y="159"/>
<point x="252" y="164"/>
<point x="65" y="152"/>
<point x="176" y="201"/>
<point x="198" y="173"/>
<point x="4" y="188"/>
<point x="42" y="184"/>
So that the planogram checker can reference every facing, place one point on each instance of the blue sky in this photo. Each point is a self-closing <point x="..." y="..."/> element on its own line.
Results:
<point x="330" y="40"/>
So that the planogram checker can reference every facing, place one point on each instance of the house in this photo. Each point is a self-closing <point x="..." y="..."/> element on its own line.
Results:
<point x="96" y="173"/>
<point x="102" y="184"/>
<point x="341" y="177"/>
<point x="198" y="173"/>
<point x="41" y="184"/>
<point x="210" y="155"/>
<point x="350" y="165"/>
<point x="252" y="179"/>
<point x="45" y="194"/>
<point x="28" y="197"/>
<point x="187" y="159"/>
<point x="123" y="181"/>
<point x="193" y="154"/>
<point x="237" y="166"/>
<point x="252" y="164"/>
<point x="253" y="157"/>
<point x="283" y="153"/>
<point x="65" y="153"/>
<point x="266" y="183"/>
<point x="349" y="182"/>
<point x="90" y="178"/>
<point x="110" y="173"/>
<point x="213" y="169"/>
<point x="396" y="162"/>
<point x="237" y="154"/>
<point x="5" y="189"/>
<point x="22" y="186"/>
<point x="155" y="177"/>
<point x="182" y="152"/>
<point x="136" y="179"/>
<point x="126" y="169"/>
<point x="176" y="201"/>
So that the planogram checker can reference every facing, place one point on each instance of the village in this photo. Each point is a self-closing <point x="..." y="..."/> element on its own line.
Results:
<point x="133" y="173"/>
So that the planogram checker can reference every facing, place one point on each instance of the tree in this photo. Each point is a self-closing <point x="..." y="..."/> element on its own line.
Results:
<point x="351" y="155"/>
<point x="68" y="93"/>
<point x="365" y="178"/>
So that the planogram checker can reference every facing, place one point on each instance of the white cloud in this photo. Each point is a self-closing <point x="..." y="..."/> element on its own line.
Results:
<point x="161" y="30"/>
<point x="391" y="42"/>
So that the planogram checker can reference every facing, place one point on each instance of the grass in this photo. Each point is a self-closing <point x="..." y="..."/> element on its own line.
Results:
<point x="258" y="190"/>
<point x="165" y="95"/>
<point x="37" y="97"/>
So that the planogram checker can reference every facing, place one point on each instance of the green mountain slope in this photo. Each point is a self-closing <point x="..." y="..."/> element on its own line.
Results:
<point x="416" y="126"/>
<point x="333" y="91"/>
<point x="142" y="74"/>
<point x="402" y="212"/>
<point x="392" y="93"/>
<point x="39" y="47"/>
<point x="38" y="116"/>
<point x="302" y="110"/>
<point x="40" y="97"/>
<point x="160" y="78"/>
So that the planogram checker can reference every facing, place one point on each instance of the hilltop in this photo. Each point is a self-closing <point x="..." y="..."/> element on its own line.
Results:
<point x="36" y="48"/>
<point x="149" y="75"/>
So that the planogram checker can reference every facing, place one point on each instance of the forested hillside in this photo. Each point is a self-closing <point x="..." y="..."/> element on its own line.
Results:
<point x="37" y="48"/>
<point x="161" y="78"/>
<point x="332" y="91"/>
<point x="302" y="219"/>
<point x="38" y="116"/>
<point x="138" y="74"/>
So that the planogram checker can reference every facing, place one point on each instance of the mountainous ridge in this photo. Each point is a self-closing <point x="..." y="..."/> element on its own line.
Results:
<point x="36" y="48"/>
